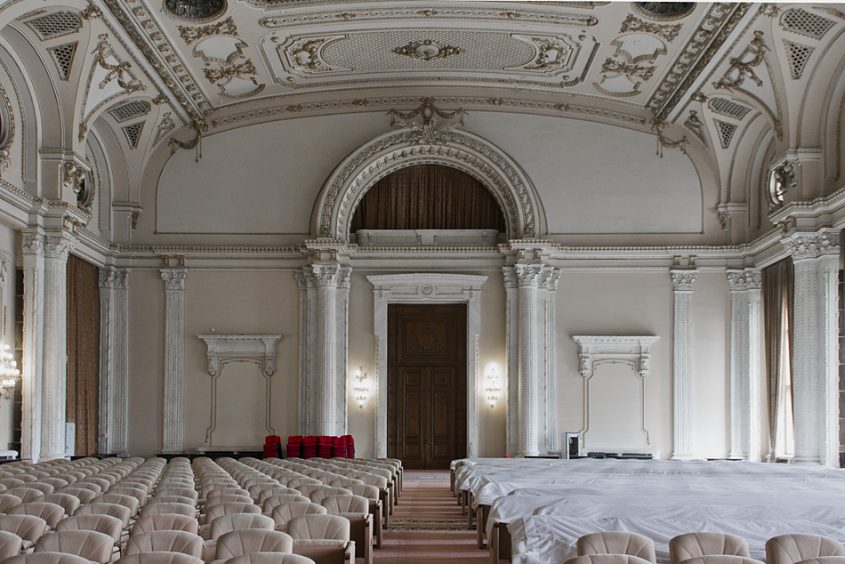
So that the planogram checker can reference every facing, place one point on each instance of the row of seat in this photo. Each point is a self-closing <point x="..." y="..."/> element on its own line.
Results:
<point x="706" y="548"/>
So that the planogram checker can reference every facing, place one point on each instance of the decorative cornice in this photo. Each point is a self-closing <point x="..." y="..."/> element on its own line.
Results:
<point x="746" y="279"/>
<point x="634" y="348"/>
<point x="683" y="280"/>
<point x="241" y="347"/>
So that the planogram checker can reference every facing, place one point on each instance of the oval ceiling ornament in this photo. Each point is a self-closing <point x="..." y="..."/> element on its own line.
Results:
<point x="665" y="10"/>
<point x="197" y="11"/>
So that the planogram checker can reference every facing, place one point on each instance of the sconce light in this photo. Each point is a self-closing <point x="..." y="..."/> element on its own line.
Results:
<point x="493" y="390"/>
<point x="361" y="387"/>
<point x="9" y="373"/>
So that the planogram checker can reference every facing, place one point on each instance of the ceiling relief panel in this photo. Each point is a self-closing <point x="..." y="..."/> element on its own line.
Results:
<point x="413" y="55"/>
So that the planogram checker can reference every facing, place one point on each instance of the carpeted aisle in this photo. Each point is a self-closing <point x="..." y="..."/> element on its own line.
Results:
<point x="427" y="525"/>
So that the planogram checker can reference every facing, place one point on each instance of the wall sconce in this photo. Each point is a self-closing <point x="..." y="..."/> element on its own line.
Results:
<point x="493" y="390"/>
<point x="9" y="373"/>
<point x="361" y="388"/>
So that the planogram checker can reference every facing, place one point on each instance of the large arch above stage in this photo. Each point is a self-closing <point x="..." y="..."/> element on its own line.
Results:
<point x="503" y="177"/>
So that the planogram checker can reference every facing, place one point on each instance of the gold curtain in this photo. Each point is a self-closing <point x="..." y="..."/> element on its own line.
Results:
<point x="428" y="197"/>
<point x="83" y="353"/>
<point x="777" y="301"/>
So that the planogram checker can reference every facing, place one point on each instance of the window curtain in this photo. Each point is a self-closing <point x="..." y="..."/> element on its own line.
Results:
<point x="777" y="313"/>
<point x="428" y="197"/>
<point x="83" y="353"/>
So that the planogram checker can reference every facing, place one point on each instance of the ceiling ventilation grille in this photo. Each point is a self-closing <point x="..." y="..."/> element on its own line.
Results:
<point x="133" y="133"/>
<point x="806" y="23"/>
<point x="55" y="24"/>
<point x="798" y="55"/>
<point x="726" y="132"/>
<point x="63" y="57"/>
<point x="729" y="108"/>
<point x="130" y="110"/>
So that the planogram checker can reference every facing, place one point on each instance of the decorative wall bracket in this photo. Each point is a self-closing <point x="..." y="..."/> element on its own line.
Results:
<point x="427" y="120"/>
<point x="226" y="348"/>
<point x="635" y="349"/>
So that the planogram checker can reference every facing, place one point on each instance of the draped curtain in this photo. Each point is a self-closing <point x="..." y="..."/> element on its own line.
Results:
<point x="428" y="197"/>
<point x="83" y="353"/>
<point x="777" y="312"/>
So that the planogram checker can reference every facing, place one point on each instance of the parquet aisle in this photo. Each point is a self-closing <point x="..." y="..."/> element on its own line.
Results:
<point x="427" y="525"/>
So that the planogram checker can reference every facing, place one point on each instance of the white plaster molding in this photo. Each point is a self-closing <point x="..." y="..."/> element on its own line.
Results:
<point x="33" y="342"/>
<point x="683" y="384"/>
<point x="745" y="342"/>
<point x="434" y="288"/>
<point x="223" y="349"/>
<point x="394" y="150"/>
<point x="595" y="350"/>
<point x="815" y="368"/>
<point x="174" y="359"/>
<point x="114" y="361"/>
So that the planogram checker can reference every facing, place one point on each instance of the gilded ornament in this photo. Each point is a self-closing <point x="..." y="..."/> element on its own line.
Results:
<point x="193" y="34"/>
<point x="694" y="124"/>
<point x="294" y="108"/>
<point x="427" y="50"/>
<point x="305" y="54"/>
<point x="119" y="71"/>
<point x="166" y="126"/>
<point x="665" y="31"/>
<point x="633" y="71"/>
<point x="665" y="143"/>
<point x="91" y="12"/>
<point x="552" y="54"/>
<point x="742" y="67"/>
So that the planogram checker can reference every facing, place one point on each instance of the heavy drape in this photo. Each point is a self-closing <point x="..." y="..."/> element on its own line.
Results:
<point x="83" y="353"/>
<point x="428" y="197"/>
<point x="777" y="303"/>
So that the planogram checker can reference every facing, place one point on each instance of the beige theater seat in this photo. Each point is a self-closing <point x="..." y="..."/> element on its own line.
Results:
<point x="240" y="542"/>
<point x="52" y="513"/>
<point x="91" y="545"/>
<point x="824" y="560"/>
<point x="127" y="489"/>
<point x="164" y="508"/>
<point x="10" y="545"/>
<point x="269" y="558"/>
<point x="8" y="501"/>
<point x="721" y="559"/>
<point x="323" y="538"/>
<point x="275" y="492"/>
<point x="84" y="496"/>
<point x="228" y="498"/>
<point x="182" y="492"/>
<point x="215" y="511"/>
<point x="41" y="486"/>
<point x="272" y="502"/>
<point x="165" y="541"/>
<point x="159" y="558"/>
<point x="282" y="514"/>
<point x="112" y="509"/>
<point x="788" y="549"/>
<point x="25" y="494"/>
<point x="372" y="495"/>
<point x="357" y="510"/>
<point x="27" y="527"/>
<point x="105" y="524"/>
<point x="69" y="503"/>
<point x="616" y="542"/>
<point x="129" y="501"/>
<point x="693" y="545"/>
<point x="166" y="522"/>
<point x="237" y="521"/>
<point x="607" y="559"/>
<point x="47" y="558"/>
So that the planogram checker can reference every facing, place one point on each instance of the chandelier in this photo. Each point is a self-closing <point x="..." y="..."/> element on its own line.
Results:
<point x="9" y="373"/>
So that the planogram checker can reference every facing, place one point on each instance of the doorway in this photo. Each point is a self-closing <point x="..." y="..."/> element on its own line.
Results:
<point x="426" y="384"/>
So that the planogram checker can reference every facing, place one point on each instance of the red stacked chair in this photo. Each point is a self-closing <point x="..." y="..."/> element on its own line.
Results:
<point x="309" y="447"/>
<point x="324" y="446"/>
<point x="350" y="446"/>
<point x="272" y="446"/>
<point x="339" y="447"/>
<point x="295" y="446"/>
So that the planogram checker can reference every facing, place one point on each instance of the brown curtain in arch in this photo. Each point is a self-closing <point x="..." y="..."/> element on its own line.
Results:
<point x="83" y="353"/>
<point x="778" y="292"/>
<point x="428" y="197"/>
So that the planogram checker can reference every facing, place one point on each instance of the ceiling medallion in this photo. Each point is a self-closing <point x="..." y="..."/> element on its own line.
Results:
<point x="665" y="10"/>
<point x="427" y="49"/>
<point x="195" y="10"/>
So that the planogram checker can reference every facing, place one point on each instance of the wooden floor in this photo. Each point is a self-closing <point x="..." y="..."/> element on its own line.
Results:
<point x="427" y="525"/>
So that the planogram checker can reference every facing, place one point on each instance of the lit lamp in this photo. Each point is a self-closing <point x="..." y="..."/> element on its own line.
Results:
<point x="361" y="387"/>
<point x="9" y="373"/>
<point x="493" y="390"/>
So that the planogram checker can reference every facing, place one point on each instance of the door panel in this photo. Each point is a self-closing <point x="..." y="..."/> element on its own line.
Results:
<point x="427" y="384"/>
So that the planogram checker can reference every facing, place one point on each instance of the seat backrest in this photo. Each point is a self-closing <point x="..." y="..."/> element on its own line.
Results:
<point x="282" y="514"/>
<point x="113" y="509"/>
<point x="70" y="503"/>
<point x="824" y="560"/>
<point x="10" y="545"/>
<point x="274" y="492"/>
<point x="237" y="521"/>
<point x="27" y="527"/>
<point x="8" y="501"/>
<point x="52" y="513"/>
<point x="129" y="501"/>
<point x="90" y="545"/>
<point x="330" y="527"/>
<point x="184" y="492"/>
<point x="159" y="558"/>
<point x="162" y="508"/>
<point x="788" y="549"/>
<point x="273" y="502"/>
<point x="215" y="511"/>
<point x="365" y="490"/>
<point x="616" y="542"/>
<point x="47" y="558"/>
<point x="84" y="496"/>
<point x="166" y="522"/>
<point x="319" y="495"/>
<point x="106" y="524"/>
<point x="348" y="504"/>
<point x="721" y="559"/>
<point x="158" y="498"/>
<point x="41" y="486"/>
<point x="244" y="541"/>
<point x="693" y="545"/>
<point x="269" y="558"/>
<point x="166" y="541"/>
<point x="26" y="494"/>
<point x="607" y="559"/>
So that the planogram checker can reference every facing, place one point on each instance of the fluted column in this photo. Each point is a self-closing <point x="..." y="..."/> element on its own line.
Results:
<point x="815" y="362"/>
<point x="549" y="279"/>
<point x="745" y="287"/>
<point x="114" y="357"/>
<point x="33" y="343"/>
<point x="174" y="359"/>
<point x="683" y="407"/>
<point x="528" y="279"/>
<point x="54" y="380"/>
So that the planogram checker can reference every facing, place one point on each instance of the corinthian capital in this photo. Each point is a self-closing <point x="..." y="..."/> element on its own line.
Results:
<point x="528" y="274"/>
<point x="326" y="275"/>
<point x="683" y="280"/>
<point x="746" y="279"/>
<point x="811" y="245"/>
<point x="57" y="245"/>
<point x="174" y="278"/>
<point x="33" y="243"/>
<point x="111" y="277"/>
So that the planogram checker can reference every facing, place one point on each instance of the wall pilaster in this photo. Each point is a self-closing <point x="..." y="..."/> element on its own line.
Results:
<point x="114" y="358"/>
<point x="33" y="343"/>
<point x="683" y="406"/>
<point x="174" y="359"/>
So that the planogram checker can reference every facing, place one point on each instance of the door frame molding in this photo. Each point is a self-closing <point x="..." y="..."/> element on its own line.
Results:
<point x="426" y="288"/>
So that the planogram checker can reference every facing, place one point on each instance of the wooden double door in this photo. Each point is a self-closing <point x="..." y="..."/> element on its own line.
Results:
<point x="426" y="384"/>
